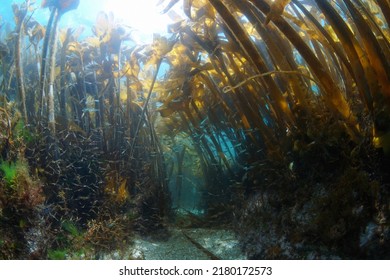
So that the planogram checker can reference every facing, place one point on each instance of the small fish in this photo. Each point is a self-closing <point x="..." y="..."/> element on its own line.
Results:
<point x="93" y="66"/>
<point x="276" y="10"/>
<point x="90" y="110"/>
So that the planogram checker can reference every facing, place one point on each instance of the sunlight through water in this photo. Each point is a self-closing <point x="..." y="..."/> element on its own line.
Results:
<point x="144" y="17"/>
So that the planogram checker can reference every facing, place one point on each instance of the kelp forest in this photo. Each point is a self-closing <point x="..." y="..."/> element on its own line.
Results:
<point x="270" y="119"/>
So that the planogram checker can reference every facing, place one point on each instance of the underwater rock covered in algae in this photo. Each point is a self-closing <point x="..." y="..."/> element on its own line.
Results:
<point x="22" y="227"/>
<point x="21" y="199"/>
<point x="324" y="205"/>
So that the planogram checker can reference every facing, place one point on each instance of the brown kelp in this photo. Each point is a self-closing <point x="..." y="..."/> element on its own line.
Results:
<point x="58" y="8"/>
<point x="20" y="13"/>
<point x="292" y="85"/>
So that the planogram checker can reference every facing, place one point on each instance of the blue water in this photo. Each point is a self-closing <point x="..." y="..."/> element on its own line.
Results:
<point x="143" y="16"/>
<point x="85" y="9"/>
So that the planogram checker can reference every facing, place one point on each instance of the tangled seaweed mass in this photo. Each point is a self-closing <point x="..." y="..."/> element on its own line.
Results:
<point x="267" y="118"/>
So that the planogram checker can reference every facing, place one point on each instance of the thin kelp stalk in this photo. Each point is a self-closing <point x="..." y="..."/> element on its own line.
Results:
<point x="128" y="104"/>
<point x="179" y="175"/>
<point x="161" y="171"/>
<point x="58" y="8"/>
<point x="217" y="146"/>
<point x="201" y="138"/>
<point x="20" y="16"/>
<point x="355" y="53"/>
<point x="372" y="21"/>
<point x="202" y="156"/>
<point x="374" y="51"/>
<point x="279" y="51"/>
<point x="145" y="107"/>
<point x="385" y="7"/>
<point x="242" y="102"/>
<point x="211" y="85"/>
<point x="102" y="109"/>
<point x="75" y="103"/>
<point x="353" y="64"/>
<point x="35" y="34"/>
<point x="118" y="118"/>
<point x="52" y="74"/>
<point x="111" y="92"/>
<point x="329" y="42"/>
<point x="45" y="48"/>
<point x="63" y="78"/>
<point x="333" y="95"/>
<point x="85" y="118"/>
<point x="252" y="54"/>
<point x="95" y="91"/>
<point x="3" y="68"/>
